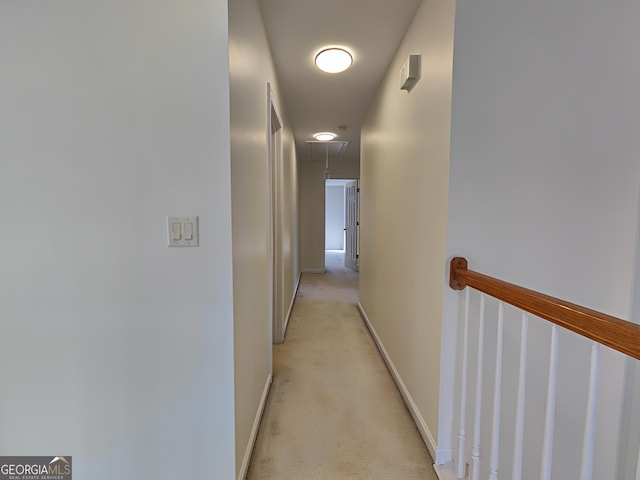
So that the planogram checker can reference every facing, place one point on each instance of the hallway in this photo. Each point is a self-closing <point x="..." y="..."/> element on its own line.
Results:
<point x="334" y="411"/>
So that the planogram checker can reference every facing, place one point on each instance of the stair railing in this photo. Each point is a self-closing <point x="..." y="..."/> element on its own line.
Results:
<point x="602" y="329"/>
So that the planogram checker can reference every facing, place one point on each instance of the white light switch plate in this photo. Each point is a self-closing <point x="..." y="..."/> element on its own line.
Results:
<point x="182" y="231"/>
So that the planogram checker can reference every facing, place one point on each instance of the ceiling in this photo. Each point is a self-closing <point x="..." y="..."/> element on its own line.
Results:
<point x="316" y="101"/>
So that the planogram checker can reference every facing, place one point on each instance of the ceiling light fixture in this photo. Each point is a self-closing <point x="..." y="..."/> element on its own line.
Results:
<point x="333" y="60"/>
<point x="324" y="136"/>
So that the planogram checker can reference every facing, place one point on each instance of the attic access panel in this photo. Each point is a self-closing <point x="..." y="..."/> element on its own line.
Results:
<point x="318" y="150"/>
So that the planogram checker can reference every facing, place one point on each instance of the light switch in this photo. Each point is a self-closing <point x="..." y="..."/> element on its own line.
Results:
<point x="176" y="231"/>
<point x="183" y="231"/>
<point x="188" y="231"/>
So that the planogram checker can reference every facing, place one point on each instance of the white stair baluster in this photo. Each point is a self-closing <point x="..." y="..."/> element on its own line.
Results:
<point x="462" y="432"/>
<point x="638" y="466"/>
<point x="547" y="449"/>
<point x="586" y="471"/>
<point x="475" y="451"/>
<point x="522" y="377"/>
<point x="497" y="393"/>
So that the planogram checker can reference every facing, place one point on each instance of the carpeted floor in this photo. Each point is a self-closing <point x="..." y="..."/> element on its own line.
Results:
<point x="334" y="412"/>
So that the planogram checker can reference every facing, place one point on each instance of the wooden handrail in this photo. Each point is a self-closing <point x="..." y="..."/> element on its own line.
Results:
<point x="613" y="332"/>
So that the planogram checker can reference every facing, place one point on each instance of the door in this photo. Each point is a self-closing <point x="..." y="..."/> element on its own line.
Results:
<point x="352" y="225"/>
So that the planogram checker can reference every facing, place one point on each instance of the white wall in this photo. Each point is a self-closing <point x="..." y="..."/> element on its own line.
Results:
<point x="403" y="209"/>
<point x="251" y="68"/>
<point x="312" y="208"/>
<point x="334" y="222"/>
<point x="116" y="349"/>
<point x="545" y="181"/>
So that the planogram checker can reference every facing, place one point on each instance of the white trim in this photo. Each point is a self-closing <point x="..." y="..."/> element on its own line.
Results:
<point x="444" y="472"/>
<point x="440" y="456"/>
<point x="275" y="128"/>
<point x="293" y="300"/>
<point x="313" y="270"/>
<point x="272" y="247"/>
<point x="254" y="430"/>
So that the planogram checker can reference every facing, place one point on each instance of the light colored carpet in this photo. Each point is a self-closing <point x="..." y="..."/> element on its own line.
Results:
<point x="333" y="411"/>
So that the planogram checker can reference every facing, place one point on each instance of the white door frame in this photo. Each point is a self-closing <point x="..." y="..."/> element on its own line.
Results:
<point x="274" y="131"/>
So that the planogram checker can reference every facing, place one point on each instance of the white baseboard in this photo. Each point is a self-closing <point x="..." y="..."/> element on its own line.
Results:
<point x="313" y="270"/>
<point x="293" y="299"/>
<point x="254" y="430"/>
<point x="427" y="437"/>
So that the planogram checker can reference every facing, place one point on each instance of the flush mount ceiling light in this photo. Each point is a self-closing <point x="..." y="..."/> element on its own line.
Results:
<point x="333" y="60"/>
<point x="324" y="136"/>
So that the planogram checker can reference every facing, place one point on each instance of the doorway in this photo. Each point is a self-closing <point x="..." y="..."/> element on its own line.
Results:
<point x="342" y="222"/>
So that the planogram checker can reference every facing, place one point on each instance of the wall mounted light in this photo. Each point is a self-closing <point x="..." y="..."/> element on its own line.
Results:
<point x="324" y="136"/>
<point x="333" y="60"/>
